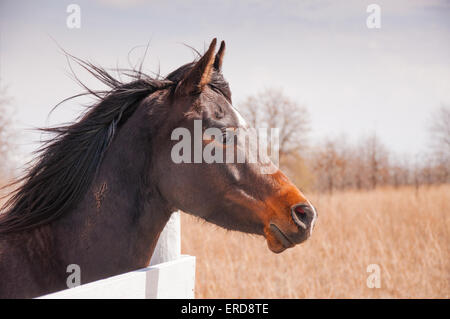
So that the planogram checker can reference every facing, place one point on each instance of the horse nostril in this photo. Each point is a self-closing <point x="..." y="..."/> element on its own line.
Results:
<point x="303" y="215"/>
<point x="299" y="210"/>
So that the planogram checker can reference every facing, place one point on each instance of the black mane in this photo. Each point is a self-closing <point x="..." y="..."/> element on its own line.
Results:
<point x="65" y="165"/>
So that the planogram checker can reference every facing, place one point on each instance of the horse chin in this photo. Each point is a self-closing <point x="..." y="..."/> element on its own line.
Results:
<point x="276" y="247"/>
<point x="276" y="240"/>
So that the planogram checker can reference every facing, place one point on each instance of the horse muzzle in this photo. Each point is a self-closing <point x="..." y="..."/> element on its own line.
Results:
<point x="282" y="235"/>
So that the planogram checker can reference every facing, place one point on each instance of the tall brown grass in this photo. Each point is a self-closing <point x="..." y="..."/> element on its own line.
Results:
<point x="404" y="231"/>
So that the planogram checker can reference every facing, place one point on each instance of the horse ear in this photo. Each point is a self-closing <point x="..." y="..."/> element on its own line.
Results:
<point x="219" y="57"/>
<point x="200" y="75"/>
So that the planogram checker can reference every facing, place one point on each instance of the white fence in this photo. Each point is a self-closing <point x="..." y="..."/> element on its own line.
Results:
<point x="169" y="275"/>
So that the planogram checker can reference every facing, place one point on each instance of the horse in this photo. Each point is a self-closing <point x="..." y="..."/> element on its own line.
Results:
<point x="101" y="190"/>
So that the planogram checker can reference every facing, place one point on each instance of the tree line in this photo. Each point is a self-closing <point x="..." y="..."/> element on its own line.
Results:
<point x="335" y="164"/>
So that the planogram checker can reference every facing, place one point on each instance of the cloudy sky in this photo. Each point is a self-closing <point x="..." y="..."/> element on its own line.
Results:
<point x="353" y="80"/>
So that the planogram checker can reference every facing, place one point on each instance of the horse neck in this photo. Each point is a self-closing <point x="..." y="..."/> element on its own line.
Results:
<point x="115" y="227"/>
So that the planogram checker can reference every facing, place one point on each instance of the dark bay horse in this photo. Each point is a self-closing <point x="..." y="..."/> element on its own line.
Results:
<point x="101" y="191"/>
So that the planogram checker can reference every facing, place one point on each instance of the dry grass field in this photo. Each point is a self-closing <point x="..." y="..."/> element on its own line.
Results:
<point x="403" y="231"/>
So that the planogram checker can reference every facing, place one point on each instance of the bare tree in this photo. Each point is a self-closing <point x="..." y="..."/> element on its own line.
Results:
<point x="377" y="161"/>
<point x="328" y="163"/>
<point x="439" y="129"/>
<point x="272" y="109"/>
<point x="4" y="131"/>
<point x="401" y="172"/>
<point x="365" y="165"/>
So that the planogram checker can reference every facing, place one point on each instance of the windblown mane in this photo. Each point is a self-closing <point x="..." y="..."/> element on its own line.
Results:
<point x="66" y="164"/>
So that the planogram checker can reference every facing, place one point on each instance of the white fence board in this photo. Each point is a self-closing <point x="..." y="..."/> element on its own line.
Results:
<point x="172" y="279"/>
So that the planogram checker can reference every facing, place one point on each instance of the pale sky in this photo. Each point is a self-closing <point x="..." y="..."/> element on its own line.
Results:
<point x="352" y="79"/>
